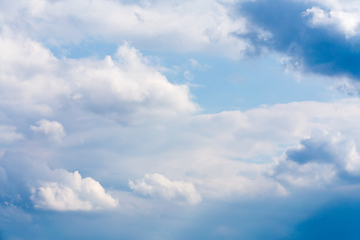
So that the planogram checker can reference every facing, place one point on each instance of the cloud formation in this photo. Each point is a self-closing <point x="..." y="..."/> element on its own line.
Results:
<point x="118" y="117"/>
<point x="24" y="178"/>
<point x="157" y="185"/>
<point x="72" y="193"/>
<point x="315" y="39"/>
<point x="323" y="159"/>
<point x="54" y="130"/>
<point x="187" y="25"/>
<point x="126" y="87"/>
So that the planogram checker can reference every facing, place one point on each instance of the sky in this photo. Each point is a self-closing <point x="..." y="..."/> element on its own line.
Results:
<point x="174" y="120"/>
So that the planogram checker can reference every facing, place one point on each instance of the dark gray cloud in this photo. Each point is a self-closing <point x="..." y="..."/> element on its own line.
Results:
<point x="322" y="50"/>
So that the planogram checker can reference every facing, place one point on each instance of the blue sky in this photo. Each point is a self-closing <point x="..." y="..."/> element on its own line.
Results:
<point x="172" y="120"/>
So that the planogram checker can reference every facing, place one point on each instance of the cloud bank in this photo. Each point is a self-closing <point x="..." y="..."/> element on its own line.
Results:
<point x="118" y="117"/>
<point x="187" y="26"/>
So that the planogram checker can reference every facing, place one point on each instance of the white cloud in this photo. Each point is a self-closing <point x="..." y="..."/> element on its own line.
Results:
<point x="27" y="76"/>
<point x="229" y="155"/>
<point x="345" y="21"/>
<point x="319" y="160"/>
<point x="126" y="87"/>
<point x="218" y="157"/>
<point x="158" y="185"/>
<point x="22" y="177"/>
<point x="323" y="147"/>
<point x="201" y="25"/>
<point x="72" y="193"/>
<point x="342" y="15"/>
<point x="53" y="129"/>
<point x="224" y="152"/>
<point x="310" y="175"/>
<point x="129" y="84"/>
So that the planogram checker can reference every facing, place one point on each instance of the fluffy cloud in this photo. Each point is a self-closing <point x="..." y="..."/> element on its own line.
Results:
<point x="107" y="87"/>
<point x="72" y="192"/>
<point x="27" y="83"/>
<point x="53" y="129"/>
<point x="320" y="160"/>
<point x="343" y="15"/>
<point x="124" y="119"/>
<point x="24" y="177"/>
<point x="315" y="40"/>
<point x="234" y="154"/>
<point x="125" y="87"/>
<point x="345" y="22"/>
<point x="158" y="185"/>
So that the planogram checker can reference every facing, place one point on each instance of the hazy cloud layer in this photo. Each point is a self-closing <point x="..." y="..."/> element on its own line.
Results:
<point x="320" y="160"/>
<point x="202" y="25"/>
<point x="127" y="103"/>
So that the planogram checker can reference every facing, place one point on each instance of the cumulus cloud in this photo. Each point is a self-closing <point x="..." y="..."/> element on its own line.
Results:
<point x="343" y="15"/>
<point x="25" y="178"/>
<point x="126" y="86"/>
<point x="225" y="155"/>
<point x="123" y="118"/>
<point x="323" y="147"/>
<point x="345" y="22"/>
<point x="229" y="155"/>
<point x="27" y="83"/>
<point x="315" y="40"/>
<point x="320" y="160"/>
<point x="157" y="185"/>
<point x="129" y="84"/>
<point x="312" y="174"/>
<point x="53" y="129"/>
<point x="72" y="192"/>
